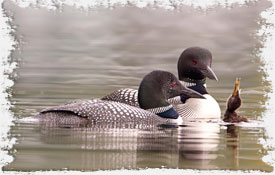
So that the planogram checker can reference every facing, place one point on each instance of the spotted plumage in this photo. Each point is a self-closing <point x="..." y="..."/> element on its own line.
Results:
<point x="127" y="96"/>
<point x="101" y="111"/>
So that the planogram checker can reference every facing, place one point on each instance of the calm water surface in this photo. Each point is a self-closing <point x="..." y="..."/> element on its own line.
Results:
<point x="73" y="54"/>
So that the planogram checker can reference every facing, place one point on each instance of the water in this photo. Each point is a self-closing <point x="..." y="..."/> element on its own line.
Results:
<point x="77" y="54"/>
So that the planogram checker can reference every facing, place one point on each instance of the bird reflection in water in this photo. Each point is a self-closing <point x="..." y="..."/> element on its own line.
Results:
<point x="137" y="146"/>
<point x="232" y="141"/>
<point x="198" y="142"/>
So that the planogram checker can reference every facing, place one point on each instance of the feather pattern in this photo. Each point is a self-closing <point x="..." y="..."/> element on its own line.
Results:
<point x="127" y="96"/>
<point x="102" y="111"/>
<point x="160" y="109"/>
<point x="199" y="108"/>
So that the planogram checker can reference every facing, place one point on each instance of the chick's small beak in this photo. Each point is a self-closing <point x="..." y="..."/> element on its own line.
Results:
<point x="237" y="86"/>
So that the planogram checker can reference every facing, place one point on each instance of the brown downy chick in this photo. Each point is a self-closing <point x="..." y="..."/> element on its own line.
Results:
<point x="233" y="103"/>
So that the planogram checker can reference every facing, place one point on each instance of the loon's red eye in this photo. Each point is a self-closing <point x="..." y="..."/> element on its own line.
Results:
<point x="195" y="62"/>
<point x="174" y="84"/>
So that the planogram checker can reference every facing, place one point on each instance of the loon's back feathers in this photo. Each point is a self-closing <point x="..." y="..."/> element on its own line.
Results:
<point x="126" y="95"/>
<point x="101" y="111"/>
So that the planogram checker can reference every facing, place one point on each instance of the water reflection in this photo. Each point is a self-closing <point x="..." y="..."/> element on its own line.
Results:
<point x="198" y="145"/>
<point x="199" y="142"/>
<point x="129" y="146"/>
<point x="232" y="142"/>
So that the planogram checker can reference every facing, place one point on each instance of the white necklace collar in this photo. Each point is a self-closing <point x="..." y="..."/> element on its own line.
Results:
<point x="160" y="109"/>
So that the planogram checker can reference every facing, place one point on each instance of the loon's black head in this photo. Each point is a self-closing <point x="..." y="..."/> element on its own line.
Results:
<point x="195" y="64"/>
<point x="158" y="86"/>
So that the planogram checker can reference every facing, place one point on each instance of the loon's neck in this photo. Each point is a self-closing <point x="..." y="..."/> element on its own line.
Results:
<point x="167" y="112"/>
<point x="193" y="81"/>
<point x="197" y="85"/>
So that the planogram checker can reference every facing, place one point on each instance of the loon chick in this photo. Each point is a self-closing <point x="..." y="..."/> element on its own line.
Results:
<point x="154" y="90"/>
<point x="194" y="65"/>
<point x="233" y="103"/>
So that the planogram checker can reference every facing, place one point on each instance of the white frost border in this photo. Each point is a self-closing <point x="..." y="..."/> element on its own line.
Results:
<point x="7" y="42"/>
<point x="267" y="55"/>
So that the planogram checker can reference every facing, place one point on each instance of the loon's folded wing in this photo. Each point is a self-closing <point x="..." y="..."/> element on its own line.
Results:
<point x="100" y="111"/>
<point x="126" y="96"/>
<point x="82" y="108"/>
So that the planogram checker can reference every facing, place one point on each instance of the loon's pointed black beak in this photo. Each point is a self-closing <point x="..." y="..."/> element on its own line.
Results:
<point x="191" y="93"/>
<point x="208" y="72"/>
<point x="181" y="90"/>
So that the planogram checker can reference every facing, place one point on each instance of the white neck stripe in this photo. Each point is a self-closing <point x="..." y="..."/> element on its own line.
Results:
<point x="160" y="109"/>
<point x="188" y="84"/>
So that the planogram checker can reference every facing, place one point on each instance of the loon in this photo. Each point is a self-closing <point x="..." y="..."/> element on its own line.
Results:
<point x="154" y="90"/>
<point x="233" y="103"/>
<point x="194" y="65"/>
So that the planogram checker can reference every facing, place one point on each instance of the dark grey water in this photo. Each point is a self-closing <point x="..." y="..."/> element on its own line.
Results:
<point x="73" y="54"/>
